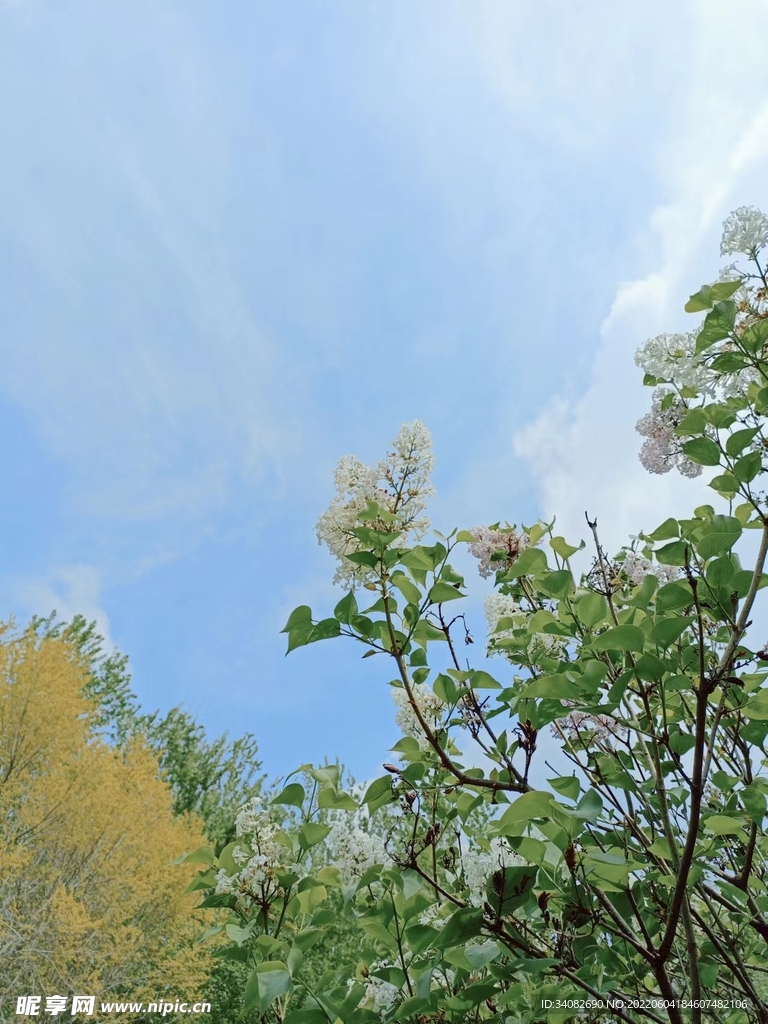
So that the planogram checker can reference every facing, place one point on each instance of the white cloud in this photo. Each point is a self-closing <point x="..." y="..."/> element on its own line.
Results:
<point x="72" y="590"/>
<point x="582" y="449"/>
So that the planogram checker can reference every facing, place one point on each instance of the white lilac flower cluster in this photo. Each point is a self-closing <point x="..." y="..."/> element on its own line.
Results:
<point x="432" y="709"/>
<point x="745" y="231"/>
<point x="502" y="606"/>
<point x="673" y="357"/>
<point x="353" y="849"/>
<point x="259" y="855"/>
<point x="661" y="450"/>
<point x="497" y="607"/>
<point x="505" y="543"/>
<point x="731" y="272"/>
<point x="400" y="484"/>
<point x="380" y="995"/>
<point x="478" y="864"/>
<point x="637" y="567"/>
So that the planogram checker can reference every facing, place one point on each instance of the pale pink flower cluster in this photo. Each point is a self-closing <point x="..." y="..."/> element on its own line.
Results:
<point x="498" y="541"/>
<point x="661" y="450"/>
<point x="673" y="357"/>
<point x="400" y="484"/>
<point x="637" y="567"/>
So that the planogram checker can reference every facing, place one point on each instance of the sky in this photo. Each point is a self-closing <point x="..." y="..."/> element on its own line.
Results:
<point x="241" y="240"/>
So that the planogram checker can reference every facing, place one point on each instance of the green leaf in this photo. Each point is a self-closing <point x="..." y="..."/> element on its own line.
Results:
<point x="672" y="554"/>
<point x="366" y="558"/>
<point x="203" y="855"/>
<point x="551" y="688"/>
<point x="269" y="980"/>
<point x="508" y="887"/>
<point x="761" y="401"/>
<point x="725" y="289"/>
<point x="722" y="317"/>
<point x="329" y="799"/>
<point x="748" y="467"/>
<point x="540" y="620"/>
<point x="739" y="440"/>
<point x="536" y="803"/>
<point x="478" y="955"/>
<point x="720" y="572"/>
<point x="420" y="937"/>
<point x="619" y="638"/>
<point x="309" y="1015"/>
<point x="346" y="608"/>
<point x="703" y="451"/>
<point x="530" y="563"/>
<point x="709" y="335"/>
<point x="226" y="859"/>
<point x="557" y="584"/>
<point x="442" y="592"/>
<point x="217" y="899"/>
<point x="650" y="668"/>
<point x="562" y="548"/>
<point x="719" y="535"/>
<point x="667" y="630"/>
<point x="755" y="336"/>
<point x="590" y="807"/>
<point x="203" y="880"/>
<point x="379" y="792"/>
<point x="757" y="707"/>
<point x="311" y="834"/>
<point x="700" y="300"/>
<point x="480" y="680"/>
<point x="298" y="637"/>
<point x="567" y="785"/>
<point x="592" y="609"/>
<point x="328" y="775"/>
<point x="301" y="616"/>
<point x="465" y="924"/>
<point x="694" y="422"/>
<point x="324" y="630"/>
<point x="728" y="362"/>
<point x="725" y="484"/>
<point x="668" y="530"/>
<point x="673" y="596"/>
<point x="237" y="934"/>
<point x="293" y="795"/>
<point x="723" y="825"/>
<point x="715" y="544"/>
<point x="409" y="590"/>
<point x="445" y="688"/>
<point x="465" y="537"/>
<point x="720" y="415"/>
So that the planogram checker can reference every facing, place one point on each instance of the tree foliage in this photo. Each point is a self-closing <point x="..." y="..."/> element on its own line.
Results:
<point x="207" y="778"/>
<point x="89" y="895"/>
<point x="633" y="885"/>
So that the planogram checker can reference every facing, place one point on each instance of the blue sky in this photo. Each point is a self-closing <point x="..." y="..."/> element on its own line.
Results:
<point x="241" y="240"/>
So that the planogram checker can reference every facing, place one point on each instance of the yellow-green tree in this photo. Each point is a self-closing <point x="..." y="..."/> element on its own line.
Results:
<point x="90" y="900"/>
